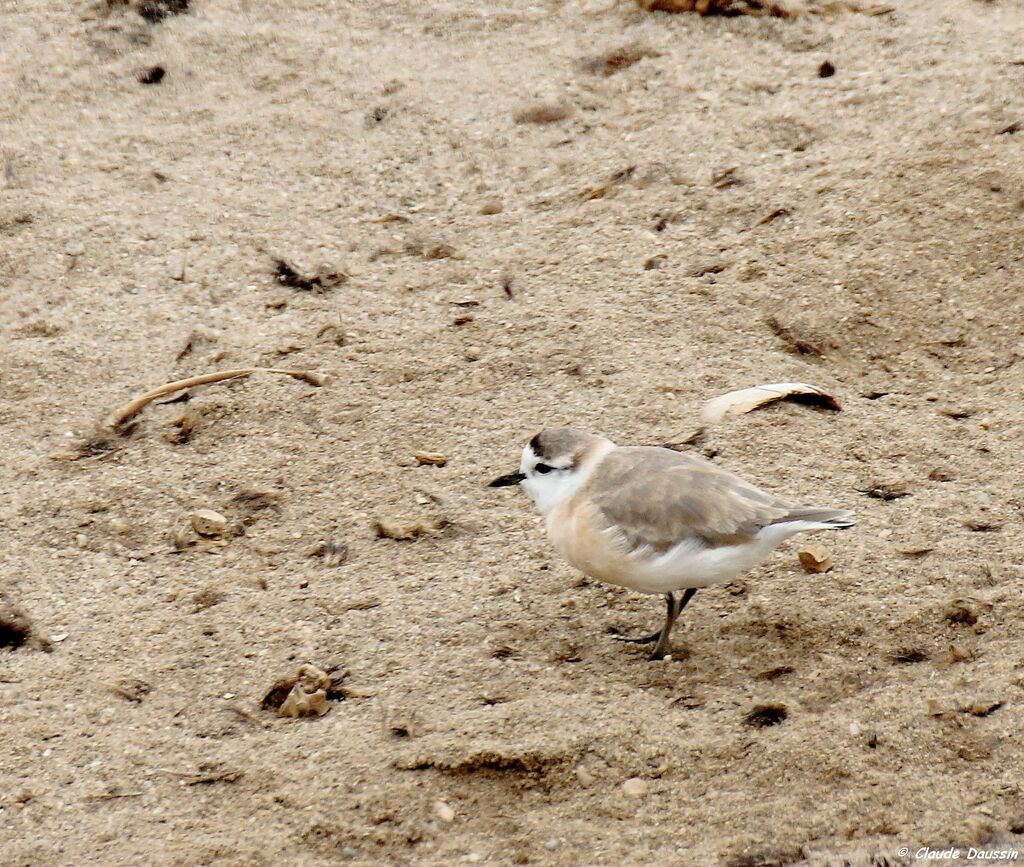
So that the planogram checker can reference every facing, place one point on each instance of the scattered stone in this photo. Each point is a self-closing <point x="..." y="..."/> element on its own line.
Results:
<point x="585" y="777"/>
<point x="303" y="693"/>
<point x="434" y="459"/>
<point x="815" y="558"/>
<point x="74" y="248"/>
<point x="762" y="716"/>
<point x="444" y="812"/>
<point x="207" y="522"/>
<point x="635" y="788"/>
<point x="490" y="207"/>
<point x="826" y="70"/>
<point x="552" y="844"/>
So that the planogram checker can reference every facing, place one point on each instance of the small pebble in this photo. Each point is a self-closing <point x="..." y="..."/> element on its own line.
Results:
<point x="491" y="207"/>
<point x="815" y="558"/>
<point x="350" y="853"/>
<point x="635" y="788"/>
<point x="207" y="522"/>
<point x="584" y="776"/>
<point x="444" y="812"/>
<point x="552" y="844"/>
<point x="434" y="459"/>
<point x="74" y="248"/>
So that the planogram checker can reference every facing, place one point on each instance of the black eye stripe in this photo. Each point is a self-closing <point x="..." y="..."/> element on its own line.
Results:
<point x="543" y="468"/>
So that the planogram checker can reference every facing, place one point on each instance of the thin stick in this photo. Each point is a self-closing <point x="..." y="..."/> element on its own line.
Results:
<point x="119" y="417"/>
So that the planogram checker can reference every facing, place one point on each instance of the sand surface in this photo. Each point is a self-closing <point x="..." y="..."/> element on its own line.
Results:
<point x="714" y="215"/>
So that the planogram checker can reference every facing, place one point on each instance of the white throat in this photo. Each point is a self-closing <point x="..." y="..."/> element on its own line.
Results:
<point x="550" y="489"/>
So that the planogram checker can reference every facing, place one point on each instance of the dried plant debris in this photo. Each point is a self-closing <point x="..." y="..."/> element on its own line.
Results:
<point x="777" y="8"/>
<point x="117" y="422"/>
<point x="616" y="59"/>
<point x="96" y="446"/>
<point x="764" y="715"/>
<point x="747" y="399"/>
<point x="320" y="280"/>
<point x="131" y="689"/>
<point x="543" y="112"/>
<point x="774" y="673"/>
<point x="303" y="693"/>
<point x="600" y="190"/>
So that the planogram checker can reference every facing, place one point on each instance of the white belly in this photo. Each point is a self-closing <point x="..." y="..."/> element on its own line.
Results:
<point x="691" y="563"/>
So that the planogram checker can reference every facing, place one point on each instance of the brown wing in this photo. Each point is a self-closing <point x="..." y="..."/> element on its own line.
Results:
<point x="657" y="497"/>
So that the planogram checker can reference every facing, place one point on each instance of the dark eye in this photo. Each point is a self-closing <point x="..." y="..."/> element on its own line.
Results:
<point x="543" y="468"/>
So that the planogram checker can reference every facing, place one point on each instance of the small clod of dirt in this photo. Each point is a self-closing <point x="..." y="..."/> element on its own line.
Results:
<point x="617" y="59"/>
<point x="797" y="341"/>
<point x="153" y="75"/>
<point x="155" y="11"/>
<point x="826" y="70"/>
<point x="885" y="492"/>
<point x="980" y="525"/>
<point x="321" y="280"/>
<point x="15" y="626"/>
<point x="763" y="716"/>
<point x="983" y="707"/>
<point x="959" y="612"/>
<point x="774" y="673"/>
<point x="207" y="598"/>
<point x="407" y="531"/>
<point x="332" y="552"/>
<point x="185" y="425"/>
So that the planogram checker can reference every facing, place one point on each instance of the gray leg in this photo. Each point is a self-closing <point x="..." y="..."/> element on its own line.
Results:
<point x="674" y="609"/>
<point x="670" y="601"/>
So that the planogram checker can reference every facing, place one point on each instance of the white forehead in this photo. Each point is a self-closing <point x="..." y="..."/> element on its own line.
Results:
<point x="528" y="460"/>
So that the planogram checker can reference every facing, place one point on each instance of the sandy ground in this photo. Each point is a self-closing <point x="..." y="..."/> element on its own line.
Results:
<point x="714" y="215"/>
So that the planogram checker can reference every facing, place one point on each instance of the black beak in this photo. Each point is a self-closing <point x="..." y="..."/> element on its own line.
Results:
<point x="506" y="480"/>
